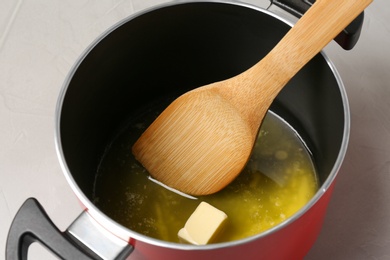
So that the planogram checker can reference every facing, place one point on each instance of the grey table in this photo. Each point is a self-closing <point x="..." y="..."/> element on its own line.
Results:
<point x="39" y="42"/>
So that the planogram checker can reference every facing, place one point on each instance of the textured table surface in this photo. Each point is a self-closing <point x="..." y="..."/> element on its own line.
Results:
<point x="39" y="42"/>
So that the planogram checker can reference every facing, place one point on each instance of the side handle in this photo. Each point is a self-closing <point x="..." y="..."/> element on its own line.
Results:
<point x="85" y="239"/>
<point x="347" y="39"/>
<point x="32" y="224"/>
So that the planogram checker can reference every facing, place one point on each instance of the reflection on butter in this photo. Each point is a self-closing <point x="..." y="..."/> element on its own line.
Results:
<point x="203" y="225"/>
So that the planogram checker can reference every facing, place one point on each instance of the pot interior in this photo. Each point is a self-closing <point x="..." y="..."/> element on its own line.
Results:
<point x="170" y="50"/>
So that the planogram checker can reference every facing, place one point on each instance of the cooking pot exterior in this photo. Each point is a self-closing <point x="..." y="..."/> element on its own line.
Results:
<point x="166" y="51"/>
<point x="172" y="49"/>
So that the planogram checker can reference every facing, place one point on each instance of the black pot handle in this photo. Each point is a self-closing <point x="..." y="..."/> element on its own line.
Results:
<point x="32" y="224"/>
<point x="346" y="39"/>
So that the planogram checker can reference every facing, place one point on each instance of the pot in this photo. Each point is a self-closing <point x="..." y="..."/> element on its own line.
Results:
<point x="168" y="50"/>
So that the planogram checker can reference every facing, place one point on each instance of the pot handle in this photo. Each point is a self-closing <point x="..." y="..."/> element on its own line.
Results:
<point x="346" y="39"/>
<point x="32" y="224"/>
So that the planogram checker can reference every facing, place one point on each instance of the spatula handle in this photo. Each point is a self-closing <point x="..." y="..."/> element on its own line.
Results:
<point x="320" y="24"/>
<point x="346" y="39"/>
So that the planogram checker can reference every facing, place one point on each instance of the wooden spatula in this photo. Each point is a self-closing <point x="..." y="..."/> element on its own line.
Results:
<point x="203" y="139"/>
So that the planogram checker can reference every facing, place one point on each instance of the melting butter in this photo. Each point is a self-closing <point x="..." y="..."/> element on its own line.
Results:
<point x="278" y="181"/>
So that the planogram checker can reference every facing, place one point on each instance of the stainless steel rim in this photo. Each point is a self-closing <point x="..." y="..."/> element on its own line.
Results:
<point x="126" y="233"/>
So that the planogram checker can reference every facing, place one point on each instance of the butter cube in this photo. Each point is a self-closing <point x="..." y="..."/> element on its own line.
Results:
<point x="203" y="225"/>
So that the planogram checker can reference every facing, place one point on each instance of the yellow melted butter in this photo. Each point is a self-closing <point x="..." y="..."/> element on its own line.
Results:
<point x="278" y="180"/>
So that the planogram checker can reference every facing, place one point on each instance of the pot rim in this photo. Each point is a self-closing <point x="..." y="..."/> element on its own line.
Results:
<point x="127" y="234"/>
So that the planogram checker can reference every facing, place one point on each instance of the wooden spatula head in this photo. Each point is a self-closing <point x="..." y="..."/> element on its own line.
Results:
<point x="208" y="145"/>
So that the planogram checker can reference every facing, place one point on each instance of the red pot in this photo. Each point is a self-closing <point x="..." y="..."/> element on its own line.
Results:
<point x="188" y="45"/>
